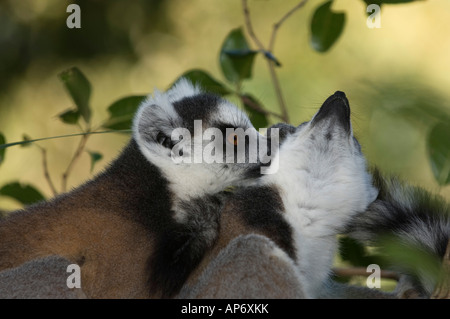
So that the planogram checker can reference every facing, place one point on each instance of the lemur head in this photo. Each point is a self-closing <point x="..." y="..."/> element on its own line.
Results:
<point x="329" y="166"/>
<point x="187" y="133"/>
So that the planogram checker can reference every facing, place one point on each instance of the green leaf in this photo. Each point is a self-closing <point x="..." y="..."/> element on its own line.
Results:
<point x="205" y="81"/>
<point x="356" y="254"/>
<point x="236" y="57"/>
<point x="409" y="258"/>
<point x="79" y="89"/>
<point x="95" y="157"/>
<point x="326" y="27"/>
<point x="438" y="148"/>
<point x="122" y="111"/>
<point x="27" y="140"/>
<point x="25" y="194"/>
<point x="70" y="116"/>
<point x="255" y="111"/>
<point x="2" y="150"/>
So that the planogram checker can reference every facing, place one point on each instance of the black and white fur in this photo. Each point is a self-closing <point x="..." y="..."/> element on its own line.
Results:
<point x="292" y="216"/>
<point x="196" y="189"/>
<point x="411" y="214"/>
<point x="323" y="182"/>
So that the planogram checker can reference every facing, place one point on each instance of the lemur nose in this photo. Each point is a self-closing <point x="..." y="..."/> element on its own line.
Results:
<point x="339" y="94"/>
<point x="336" y="106"/>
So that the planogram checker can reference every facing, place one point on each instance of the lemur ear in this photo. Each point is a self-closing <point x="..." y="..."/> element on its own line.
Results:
<point x="154" y="123"/>
<point x="156" y="118"/>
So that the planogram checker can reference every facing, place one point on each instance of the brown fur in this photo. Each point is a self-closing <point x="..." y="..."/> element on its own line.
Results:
<point x="107" y="226"/>
<point x="101" y="241"/>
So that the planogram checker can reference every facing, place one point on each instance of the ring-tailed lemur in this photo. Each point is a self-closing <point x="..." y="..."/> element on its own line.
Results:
<point x="291" y="218"/>
<point x="254" y="256"/>
<point x="141" y="226"/>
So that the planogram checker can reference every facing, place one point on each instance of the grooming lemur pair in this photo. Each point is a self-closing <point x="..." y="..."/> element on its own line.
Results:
<point x="152" y="227"/>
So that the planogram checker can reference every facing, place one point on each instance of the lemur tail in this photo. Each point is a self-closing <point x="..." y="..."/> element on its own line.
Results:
<point x="410" y="213"/>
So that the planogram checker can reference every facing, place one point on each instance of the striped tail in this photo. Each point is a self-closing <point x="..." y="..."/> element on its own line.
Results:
<point x="409" y="213"/>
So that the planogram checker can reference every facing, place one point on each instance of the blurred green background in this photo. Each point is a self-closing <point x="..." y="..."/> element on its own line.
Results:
<point x="397" y="78"/>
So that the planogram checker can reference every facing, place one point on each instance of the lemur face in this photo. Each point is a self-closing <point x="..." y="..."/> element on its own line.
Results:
<point x="195" y="139"/>
<point x="327" y="162"/>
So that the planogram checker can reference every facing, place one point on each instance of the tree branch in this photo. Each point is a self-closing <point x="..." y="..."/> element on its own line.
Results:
<point x="249" y="26"/>
<point x="75" y="158"/>
<point x="260" y="45"/>
<point x="258" y="108"/>
<point x="278" y="24"/>
<point x="277" y="86"/>
<point x="361" y="271"/>
<point x="46" y="171"/>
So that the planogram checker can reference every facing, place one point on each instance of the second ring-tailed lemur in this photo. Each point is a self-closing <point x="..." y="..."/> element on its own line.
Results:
<point x="139" y="228"/>
<point x="278" y="238"/>
<point x="255" y="256"/>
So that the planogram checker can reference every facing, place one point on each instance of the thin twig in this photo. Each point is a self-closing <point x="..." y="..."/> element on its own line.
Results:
<point x="277" y="25"/>
<point x="75" y="158"/>
<point x="277" y="86"/>
<point x="247" y="101"/>
<point x="46" y="171"/>
<point x="250" y="27"/>
<point x="361" y="271"/>
<point x="273" y="74"/>
<point x="2" y="146"/>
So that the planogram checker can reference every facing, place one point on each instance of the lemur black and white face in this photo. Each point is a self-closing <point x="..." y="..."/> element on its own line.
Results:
<point x="193" y="137"/>
<point x="330" y="180"/>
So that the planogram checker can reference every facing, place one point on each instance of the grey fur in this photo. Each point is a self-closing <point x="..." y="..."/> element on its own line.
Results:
<point x="44" y="278"/>
<point x="250" y="267"/>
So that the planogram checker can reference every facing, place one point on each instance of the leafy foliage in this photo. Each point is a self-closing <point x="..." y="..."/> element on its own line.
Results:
<point x="206" y="81"/>
<point x="236" y="57"/>
<point x="70" y="116"/>
<point x="409" y="258"/>
<point x="251" y="105"/>
<point x="25" y="194"/>
<point x="79" y="89"/>
<point x="95" y="157"/>
<point x="357" y="254"/>
<point x="438" y="150"/>
<point x="326" y="27"/>
<point x="122" y="111"/>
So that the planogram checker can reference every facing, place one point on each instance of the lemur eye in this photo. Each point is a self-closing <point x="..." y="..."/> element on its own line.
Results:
<point x="233" y="139"/>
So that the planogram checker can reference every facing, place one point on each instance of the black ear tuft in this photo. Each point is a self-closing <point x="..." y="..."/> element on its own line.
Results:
<point x="155" y="124"/>
<point x="164" y="140"/>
